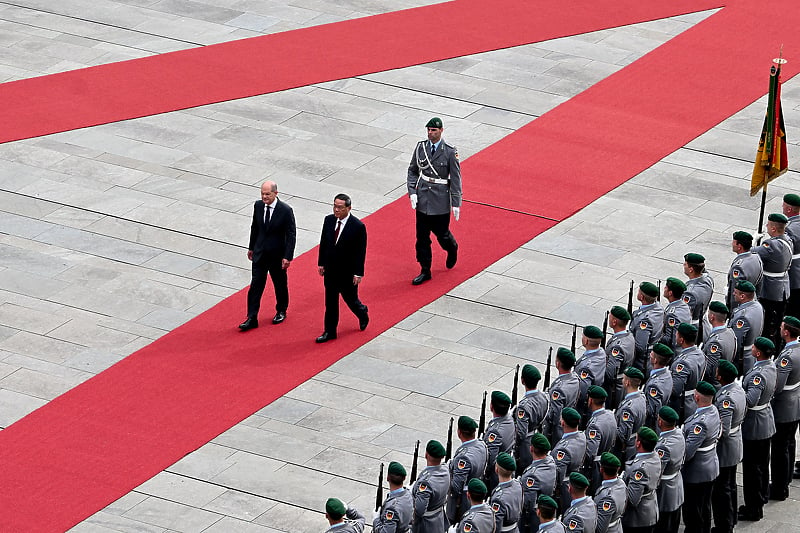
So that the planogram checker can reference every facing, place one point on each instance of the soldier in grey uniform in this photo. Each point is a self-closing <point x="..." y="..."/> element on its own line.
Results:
<point x="398" y="507"/>
<point x="568" y="453"/>
<point x="746" y="322"/>
<point x="731" y="404"/>
<point x="699" y="289"/>
<point x="791" y="208"/>
<point x="642" y="474"/>
<point x="776" y="254"/>
<point x="591" y="367"/>
<point x="757" y="430"/>
<point x="601" y="433"/>
<point x="547" y="508"/>
<point x="467" y="463"/>
<point x="506" y="498"/>
<point x="430" y="492"/>
<point x="499" y="435"/>
<point x="611" y="496"/>
<point x="479" y="518"/>
<point x="563" y="393"/>
<point x="647" y="323"/>
<point x="581" y="516"/>
<point x="658" y="389"/>
<point x="434" y="188"/>
<point x="721" y="341"/>
<point x="620" y="350"/>
<point x="687" y="368"/>
<point x="630" y="414"/>
<point x="746" y="266"/>
<point x="786" y="409"/>
<point x="539" y="479"/>
<point x="675" y="312"/>
<point x="701" y="465"/>
<point x="670" y="448"/>
<point x="530" y="413"/>
<point x="343" y="519"/>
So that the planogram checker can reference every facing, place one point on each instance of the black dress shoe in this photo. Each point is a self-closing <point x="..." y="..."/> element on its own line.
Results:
<point x="777" y="494"/>
<point x="325" y="337"/>
<point x="249" y="323"/>
<point x="796" y="474"/>
<point x="363" y="321"/>
<point x="750" y="515"/>
<point x="279" y="317"/>
<point x="424" y="276"/>
<point x="452" y="257"/>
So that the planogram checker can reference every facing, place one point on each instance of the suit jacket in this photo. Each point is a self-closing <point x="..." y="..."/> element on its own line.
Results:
<point x="276" y="238"/>
<point x="345" y="257"/>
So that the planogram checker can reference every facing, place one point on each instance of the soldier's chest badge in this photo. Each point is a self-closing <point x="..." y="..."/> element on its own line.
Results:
<point x="492" y="437"/>
<point x="784" y="362"/>
<point x="560" y="455"/>
<point x="495" y="507"/>
<point x="643" y="325"/>
<point x="584" y="374"/>
<point x="714" y="348"/>
<point x="389" y="515"/>
<point x="606" y="506"/>
<point x="521" y="413"/>
<point x="679" y="368"/>
<point x="726" y="404"/>
<point x="638" y="475"/>
<point x="653" y="392"/>
<point x="739" y="324"/>
<point x="555" y="395"/>
<point x="661" y="453"/>
<point x="529" y="482"/>
<point x="757" y="380"/>
<point x="467" y="527"/>
<point x="671" y="321"/>
<point x="592" y="434"/>
<point x="573" y="524"/>
<point x="462" y="464"/>
<point x="626" y="416"/>
<point x="697" y="429"/>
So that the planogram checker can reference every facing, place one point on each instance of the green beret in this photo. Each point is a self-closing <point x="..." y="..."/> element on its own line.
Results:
<point x="745" y="286"/>
<point x="571" y="416"/>
<point x="694" y="259"/>
<point x="649" y="289"/>
<point x="621" y="313"/>
<point x="663" y="350"/>
<point x="597" y="392"/>
<point x="705" y="388"/>
<point x="530" y="373"/>
<point x="742" y="237"/>
<point x="335" y="508"/>
<point x="466" y="423"/>
<point x="476" y="487"/>
<point x="647" y="435"/>
<point x="499" y="397"/>
<point x="592" y="332"/>
<point x="540" y="441"/>
<point x="669" y="415"/>
<point x="576" y="479"/>
<point x="506" y="461"/>
<point x="675" y="283"/>
<point x="719" y="307"/>
<point x="780" y="218"/>
<point x="727" y="370"/>
<point x="791" y="199"/>
<point x="565" y="356"/>
<point x="687" y="329"/>
<point x="764" y="344"/>
<point x="609" y="459"/>
<point x="791" y="321"/>
<point x="397" y="469"/>
<point x="546" y="501"/>
<point x="633" y="372"/>
<point x="435" y="122"/>
<point x="435" y="449"/>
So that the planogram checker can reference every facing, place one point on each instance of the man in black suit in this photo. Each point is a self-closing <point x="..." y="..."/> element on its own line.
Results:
<point x="271" y="249"/>
<point x="342" y="251"/>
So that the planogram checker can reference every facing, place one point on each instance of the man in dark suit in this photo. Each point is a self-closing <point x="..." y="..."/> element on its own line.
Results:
<point x="342" y="251"/>
<point x="271" y="249"/>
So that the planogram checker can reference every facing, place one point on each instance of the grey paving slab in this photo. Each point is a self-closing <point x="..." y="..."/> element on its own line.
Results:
<point x="172" y="515"/>
<point x="16" y="405"/>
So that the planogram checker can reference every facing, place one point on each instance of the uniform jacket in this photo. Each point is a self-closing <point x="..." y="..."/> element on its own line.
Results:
<point x="793" y="234"/>
<point x="553" y="527"/>
<point x="698" y="295"/>
<point x="620" y="351"/>
<point x="670" y="448"/>
<point x="630" y="417"/>
<point x="687" y="369"/>
<point x="429" y="494"/>
<point x="610" y="499"/>
<point x="568" y="453"/>
<point x="539" y="478"/>
<point x="435" y="198"/>
<point x="786" y="402"/>
<point x="564" y="391"/>
<point x="731" y="404"/>
<point x="657" y="392"/>
<point x="478" y="519"/>
<point x="345" y="257"/>
<point x="675" y="313"/>
<point x="396" y="512"/>
<point x="529" y="414"/>
<point x="499" y="437"/>
<point x="746" y="322"/>
<point x="759" y="386"/>
<point x="275" y="239"/>
<point x="591" y="370"/>
<point x="581" y="516"/>
<point x="353" y="523"/>
<point x="746" y="266"/>
<point x="601" y="433"/>
<point x="642" y="474"/>
<point x="506" y="504"/>
<point x="701" y="432"/>
<point x="721" y="344"/>
<point x="776" y="255"/>
<point x="468" y="462"/>
<point x="647" y="324"/>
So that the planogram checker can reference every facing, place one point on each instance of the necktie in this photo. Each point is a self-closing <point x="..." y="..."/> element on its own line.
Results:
<point x="433" y="148"/>
<point x="267" y="214"/>
<point x="336" y="235"/>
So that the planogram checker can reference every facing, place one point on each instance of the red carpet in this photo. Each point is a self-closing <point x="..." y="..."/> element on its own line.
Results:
<point x="93" y="444"/>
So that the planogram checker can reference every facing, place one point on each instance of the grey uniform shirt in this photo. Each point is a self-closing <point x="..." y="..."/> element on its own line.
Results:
<point x="630" y="417"/>
<point x="610" y="500"/>
<point x="793" y="234"/>
<point x="499" y="437"/>
<point x="746" y="322"/>
<point x="468" y="462"/>
<point x="786" y="401"/>
<point x="701" y="432"/>
<point x="396" y="512"/>
<point x="478" y="519"/>
<point x="429" y="494"/>
<point x="642" y="474"/>
<point x="687" y="369"/>
<point x="675" y="313"/>
<point x="698" y="294"/>
<point x="647" y="324"/>
<point x="581" y="516"/>
<point x="353" y="523"/>
<point x="435" y="179"/>
<point x="530" y="413"/>
<point x="746" y="266"/>
<point x="759" y="386"/>
<point x="506" y="504"/>
<point x="563" y="393"/>
<point x="776" y="255"/>
<point x="731" y="404"/>
<point x="539" y="478"/>
<point x="657" y="391"/>
<point x="721" y="344"/>
<point x="670" y="448"/>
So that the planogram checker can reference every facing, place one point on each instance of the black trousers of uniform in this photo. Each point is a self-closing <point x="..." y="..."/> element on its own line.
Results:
<point x="334" y="286"/>
<point x="755" y="474"/>
<point x="724" y="499"/>
<point x="793" y="305"/>
<point x="697" y="507"/>
<point x="648" y="529"/>
<point x="669" y="522"/>
<point x="259" y="281"/>
<point x="773" y="316"/>
<point x="440" y="226"/>
<point x="782" y="459"/>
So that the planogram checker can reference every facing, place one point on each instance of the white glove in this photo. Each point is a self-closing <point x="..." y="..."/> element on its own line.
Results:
<point x="375" y="514"/>
<point x="456" y="213"/>
<point x="413" y="198"/>
<point x="761" y="238"/>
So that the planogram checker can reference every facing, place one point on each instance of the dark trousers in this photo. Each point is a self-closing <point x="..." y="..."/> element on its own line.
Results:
<point x="697" y="507"/>
<point x="782" y="461"/>
<point x="773" y="316"/>
<point x="440" y="226"/>
<point x="669" y="522"/>
<point x="724" y="499"/>
<point x="793" y="305"/>
<point x="648" y="529"/>
<point x="334" y="286"/>
<point x="755" y="474"/>
<point x="259" y="281"/>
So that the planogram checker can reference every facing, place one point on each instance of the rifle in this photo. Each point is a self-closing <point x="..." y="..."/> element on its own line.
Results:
<point x="700" y="327"/>
<point x="379" y="495"/>
<point x="515" y="390"/>
<point x="449" y="449"/>
<point x="574" y="334"/>
<point x="414" y="463"/>
<point x="630" y="299"/>
<point x="658" y="298"/>
<point x="482" y="423"/>
<point x="605" y="328"/>
<point x="547" y="370"/>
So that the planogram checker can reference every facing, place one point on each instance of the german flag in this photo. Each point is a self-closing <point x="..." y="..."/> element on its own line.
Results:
<point x="771" y="159"/>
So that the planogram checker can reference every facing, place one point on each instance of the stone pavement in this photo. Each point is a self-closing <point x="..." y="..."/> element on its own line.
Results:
<point x="95" y="262"/>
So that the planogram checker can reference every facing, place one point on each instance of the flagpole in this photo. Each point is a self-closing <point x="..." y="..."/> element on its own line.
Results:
<point x="763" y="204"/>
